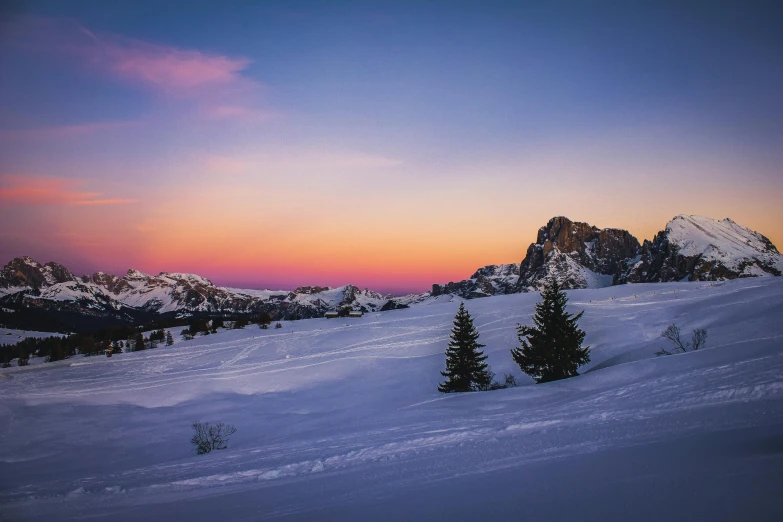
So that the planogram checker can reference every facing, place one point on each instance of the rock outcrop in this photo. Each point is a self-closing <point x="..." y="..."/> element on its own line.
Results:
<point x="486" y="281"/>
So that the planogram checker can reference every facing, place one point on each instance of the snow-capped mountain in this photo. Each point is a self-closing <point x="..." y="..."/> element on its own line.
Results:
<point x="579" y="255"/>
<point x="28" y="287"/>
<point x="697" y="248"/>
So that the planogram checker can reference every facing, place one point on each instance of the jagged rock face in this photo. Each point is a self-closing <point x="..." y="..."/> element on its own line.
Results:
<point x="486" y="281"/>
<point x="22" y="272"/>
<point x="696" y="248"/>
<point x="55" y="273"/>
<point x="613" y="249"/>
<point x="565" y="235"/>
<point x="577" y="254"/>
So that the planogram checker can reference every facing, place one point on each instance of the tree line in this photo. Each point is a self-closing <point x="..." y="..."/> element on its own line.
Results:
<point x="120" y="338"/>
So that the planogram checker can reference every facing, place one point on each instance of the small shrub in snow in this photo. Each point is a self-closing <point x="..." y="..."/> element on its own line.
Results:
<point x="672" y="333"/>
<point x="23" y="360"/>
<point x="508" y="382"/>
<point x="278" y="325"/>
<point x="210" y="437"/>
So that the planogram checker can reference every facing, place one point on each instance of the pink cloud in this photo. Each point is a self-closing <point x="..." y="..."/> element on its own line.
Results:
<point x="29" y="191"/>
<point x="215" y="81"/>
<point x="174" y="71"/>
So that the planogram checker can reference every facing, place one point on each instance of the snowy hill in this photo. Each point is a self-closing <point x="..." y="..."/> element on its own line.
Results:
<point x="341" y="420"/>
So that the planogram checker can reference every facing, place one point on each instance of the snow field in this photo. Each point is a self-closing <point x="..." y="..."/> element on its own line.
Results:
<point x="340" y="419"/>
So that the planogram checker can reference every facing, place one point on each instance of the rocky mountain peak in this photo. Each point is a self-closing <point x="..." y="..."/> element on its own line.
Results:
<point x="135" y="275"/>
<point x="577" y="254"/>
<point x="189" y="279"/>
<point x="22" y="271"/>
<point x="54" y="273"/>
<point x="565" y="235"/>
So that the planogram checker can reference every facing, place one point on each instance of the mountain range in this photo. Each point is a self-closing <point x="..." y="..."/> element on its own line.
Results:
<point x="579" y="255"/>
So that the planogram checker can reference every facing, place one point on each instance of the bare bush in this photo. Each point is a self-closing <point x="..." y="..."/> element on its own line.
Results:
<point x="672" y="333"/>
<point x="699" y="339"/>
<point x="210" y="437"/>
<point x="510" y="381"/>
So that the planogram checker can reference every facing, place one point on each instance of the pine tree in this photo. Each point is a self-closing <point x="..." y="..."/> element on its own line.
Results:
<point x="465" y="367"/>
<point x="139" y="345"/>
<point x="552" y="348"/>
<point x="169" y="339"/>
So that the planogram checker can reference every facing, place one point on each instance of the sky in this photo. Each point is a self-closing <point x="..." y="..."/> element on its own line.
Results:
<point x="387" y="145"/>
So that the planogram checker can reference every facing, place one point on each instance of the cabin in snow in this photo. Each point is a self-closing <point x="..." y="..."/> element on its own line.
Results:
<point x="355" y="313"/>
<point x="331" y="315"/>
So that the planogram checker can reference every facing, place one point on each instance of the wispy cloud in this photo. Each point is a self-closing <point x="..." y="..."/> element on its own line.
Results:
<point x="216" y="82"/>
<point x="295" y="160"/>
<point x="65" y="131"/>
<point x="174" y="71"/>
<point x="16" y="190"/>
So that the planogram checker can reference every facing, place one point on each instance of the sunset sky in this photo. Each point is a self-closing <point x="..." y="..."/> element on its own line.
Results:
<point x="388" y="145"/>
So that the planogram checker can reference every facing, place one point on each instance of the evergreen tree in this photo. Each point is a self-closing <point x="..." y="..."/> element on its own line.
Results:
<point x="169" y="339"/>
<point x="139" y="345"/>
<point x="552" y="348"/>
<point x="465" y="367"/>
<point x="240" y="323"/>
<point x="264" y="319"/>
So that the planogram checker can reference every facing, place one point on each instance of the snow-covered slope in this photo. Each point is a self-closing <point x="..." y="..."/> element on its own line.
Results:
<point x="12" y="336"/>
<point x="341" y="420"/>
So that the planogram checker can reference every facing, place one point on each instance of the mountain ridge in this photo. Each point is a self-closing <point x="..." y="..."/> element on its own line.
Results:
<point x="577" y="254"/>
